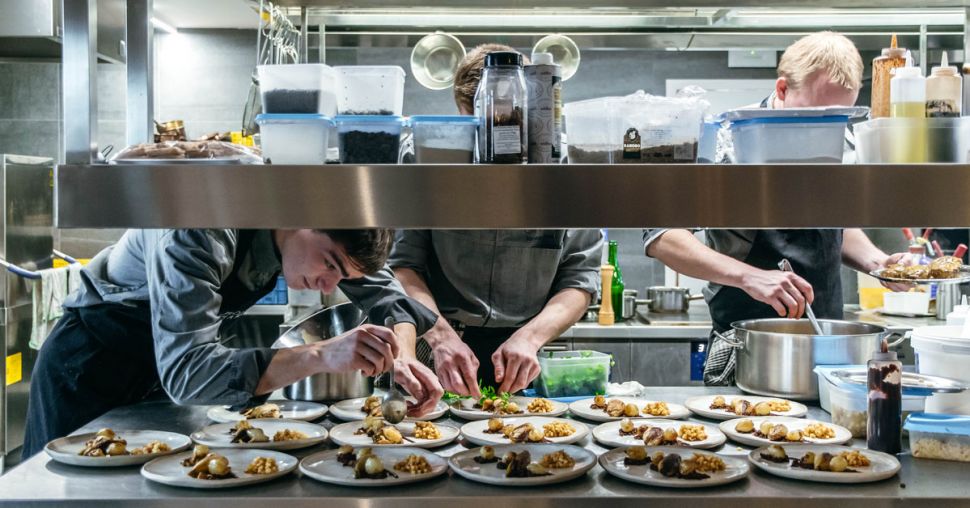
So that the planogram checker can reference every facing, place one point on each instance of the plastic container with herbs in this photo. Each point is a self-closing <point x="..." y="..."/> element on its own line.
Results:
<point x="573" y="373"/>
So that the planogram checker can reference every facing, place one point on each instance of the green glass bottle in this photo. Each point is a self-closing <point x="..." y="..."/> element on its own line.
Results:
<point x="616" y="286"/>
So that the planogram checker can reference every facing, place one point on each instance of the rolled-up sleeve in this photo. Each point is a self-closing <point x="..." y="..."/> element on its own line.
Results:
<point x="185" y="269"/>
<point x="412" y="248"/>
<point x="650" y="236"/>
<point x="382" y="296"/>
<point x="580" y="262"/>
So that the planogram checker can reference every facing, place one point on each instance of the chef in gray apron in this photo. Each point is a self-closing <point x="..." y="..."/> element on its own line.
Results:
<point x="151" y="308"/>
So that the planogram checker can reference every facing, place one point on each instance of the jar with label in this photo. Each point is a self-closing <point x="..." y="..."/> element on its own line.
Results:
<point x="882" y="68"/>
<point x="501" y="106"/>
<point x="944" y="91"/>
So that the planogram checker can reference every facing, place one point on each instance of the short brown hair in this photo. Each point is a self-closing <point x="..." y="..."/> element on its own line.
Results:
<point x="469" y="73"/>
<point x="367" y="249"/>
<point x="829" y="51"/>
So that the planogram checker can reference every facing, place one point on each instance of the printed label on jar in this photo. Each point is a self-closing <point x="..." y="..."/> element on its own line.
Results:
<point x="631" y="144"/>
<point x="506" y="139"/>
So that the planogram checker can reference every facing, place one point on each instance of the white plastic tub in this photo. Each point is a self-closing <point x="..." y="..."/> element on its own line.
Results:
<point x="444" y="139"/>
<point x="911" y="302"/>
<point x="294" y="139"/>
<point x="369" y="139"/>
<point x="370" y="90"/>
<point x="789" y="139"/>
<point x="940" y="351"/>
<point x="298" y="89"/>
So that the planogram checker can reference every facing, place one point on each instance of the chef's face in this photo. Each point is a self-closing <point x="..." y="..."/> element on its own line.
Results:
<point x="817" y="90"/>
<point x="312" y="260"/>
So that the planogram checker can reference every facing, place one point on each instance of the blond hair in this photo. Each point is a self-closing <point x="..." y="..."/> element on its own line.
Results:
<point x="829" y="51"/>
<point x="469" y="73"/>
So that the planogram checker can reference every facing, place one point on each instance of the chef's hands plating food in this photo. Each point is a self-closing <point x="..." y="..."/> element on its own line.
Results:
<point x="416" y="379"/>
<point x="516" y="363"/>
<point x="785" y="292"/>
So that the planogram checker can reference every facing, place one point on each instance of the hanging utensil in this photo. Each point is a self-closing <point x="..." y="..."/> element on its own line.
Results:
<point x="435" y="60"/>
<point x="785" y="266"/>
<point x="564" y="52"/>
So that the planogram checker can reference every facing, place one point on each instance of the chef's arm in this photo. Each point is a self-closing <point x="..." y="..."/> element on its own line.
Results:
<point x="382" y="296"/>
<point x="561" y="312"/>
<point x="859" y="253"/>
<point x="415" y="286"/>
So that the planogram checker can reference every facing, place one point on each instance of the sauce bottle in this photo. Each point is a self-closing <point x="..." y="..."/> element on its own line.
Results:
<point x="885" y="419"/>
<point x="882" y="67"/>
<point x="944" y="91"/>
<point x="544" y="80"/>
<point x="502" y="110"/>
<point x="907" y="92"/>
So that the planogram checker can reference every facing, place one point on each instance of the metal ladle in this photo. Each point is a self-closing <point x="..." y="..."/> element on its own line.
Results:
<point x="394" y="407"/>
<point x="785" y="266"/>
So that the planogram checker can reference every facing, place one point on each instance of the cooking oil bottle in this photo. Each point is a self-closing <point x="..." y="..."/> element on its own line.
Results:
<point x="907" y="100"/>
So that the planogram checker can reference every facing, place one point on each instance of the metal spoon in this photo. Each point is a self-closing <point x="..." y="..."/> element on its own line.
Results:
<point x="394" y="407"/>
<point x="785" y="266"/>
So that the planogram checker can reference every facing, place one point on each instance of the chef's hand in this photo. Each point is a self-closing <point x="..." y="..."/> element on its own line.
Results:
<point x="785" y="292"/>
<point x="420" y="382"/>
<point x="516" y="363"/>
<point x="902" y="258"/>
<point x="368" y="348"/>
<point x="454" y="361"/>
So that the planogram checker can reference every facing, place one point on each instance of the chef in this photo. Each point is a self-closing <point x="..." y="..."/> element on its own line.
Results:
<point x="151" y="307"/>
<point x="501" y="294"/>
<point x="741" y="266"/>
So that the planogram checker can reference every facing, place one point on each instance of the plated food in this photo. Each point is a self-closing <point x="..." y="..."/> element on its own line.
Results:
<point x="110" y="448"/>
<point x="833" y="464"/>
<point x="264" y="434"/>
<point x="531" y="429"/>
<point x="205" y="468"/>
<point x="941" y="269"/>
<point x="369" y="466"/>
<point x="357" y="409"/>
<point x="726" y="407"/>
<point x="667" y="466"/>
<point x="274" y="409"/>
<point x="523" y="464"/>
<point x="376" y="432"/>
<point x="492" y="405"/>
<point x="605" y="409"/>
<point x="653" y="432"/>
<point x="776" y="429"/>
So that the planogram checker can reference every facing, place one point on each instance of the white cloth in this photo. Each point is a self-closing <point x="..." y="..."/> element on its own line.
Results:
<point x="49" y="293"/>
<point x="627" y="389"/>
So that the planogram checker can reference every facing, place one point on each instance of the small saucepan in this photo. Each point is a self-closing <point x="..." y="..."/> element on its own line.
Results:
<point x="663" y="299"/>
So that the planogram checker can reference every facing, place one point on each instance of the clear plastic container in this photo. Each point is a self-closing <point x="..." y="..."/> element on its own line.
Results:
<point x="941" y="351"/>
<point x="789" y="139"/>
<point x="573" y="373"/>
<point x="369" y="139"/>
<point x="707" y="147"/>
<point x="370" y="90"/>
<point x="294" y="139"/>
<point x="848" y="404"/>
<point x="298" y="89"/>
<point x="936" y="436"/>
<point x="444" y="139"/>
<point x="889" y="140"/>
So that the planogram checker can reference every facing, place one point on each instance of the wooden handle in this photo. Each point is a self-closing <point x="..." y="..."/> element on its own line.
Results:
<point x="606" y="316"/>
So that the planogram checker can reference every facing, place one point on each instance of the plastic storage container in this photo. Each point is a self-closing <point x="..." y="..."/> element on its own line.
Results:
<point x="298" y="89"/>
<point x="444" y="139"/>
<point x="370" y="90"/>
<point x="573" y="373"/>
<point x="890" y="140"/>
<point x="936" y="436"/>
<point x="848" y="403"/>
<point x="294" y="139"/>
<point x="367" y="139"/>
<point x="707" y="147"/>
<point x="911" y="302"/>
<point x="278" y="296"/>
<point x="941" y="351"/>
<point x="789" y="139"/>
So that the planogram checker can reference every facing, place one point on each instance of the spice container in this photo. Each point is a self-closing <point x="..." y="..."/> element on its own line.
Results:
<point x="294" y="139"/>
<point x="884" y="428"/>
<point x="298" y="89"/>
<point x="501" y="106"/>
<point x="369" y="139"/>
<point x="944" y="91"/>
<point x="588" y="127"/>
<point x="370" y="90"/>
<point x="444" y="139"/>
<point x="882" y="67"/>
<point x="936" y="436"/>
<point x="544" y="81"/>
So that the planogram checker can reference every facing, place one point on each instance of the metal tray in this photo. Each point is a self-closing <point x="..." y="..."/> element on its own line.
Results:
<point x="911" y="380"/>
<point x="177" y="162"/>
<point x="964" y="277"/>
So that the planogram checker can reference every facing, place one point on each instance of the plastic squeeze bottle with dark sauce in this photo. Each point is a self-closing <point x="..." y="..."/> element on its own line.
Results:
<point x="885" y="401"/>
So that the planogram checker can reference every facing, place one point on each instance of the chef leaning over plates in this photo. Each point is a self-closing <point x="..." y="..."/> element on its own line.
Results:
<point x="151" y="307"/>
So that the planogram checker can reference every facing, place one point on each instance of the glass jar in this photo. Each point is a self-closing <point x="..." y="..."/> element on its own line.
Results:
<point x="501" y="108"/>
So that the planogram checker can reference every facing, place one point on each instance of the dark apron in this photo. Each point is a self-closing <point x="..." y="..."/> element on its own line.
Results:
<point x="101" y="357"/>
<point x="482" y="341"/>
<point x="815" y="255"/>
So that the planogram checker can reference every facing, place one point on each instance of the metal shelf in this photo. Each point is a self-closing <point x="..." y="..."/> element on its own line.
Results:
<point x="620" y="4"/>
<point x="525" y="196"/>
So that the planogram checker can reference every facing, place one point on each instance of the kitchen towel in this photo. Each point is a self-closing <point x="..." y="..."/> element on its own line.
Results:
<point x="48" y="295"/>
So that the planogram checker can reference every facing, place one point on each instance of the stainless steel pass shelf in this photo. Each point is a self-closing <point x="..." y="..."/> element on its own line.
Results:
<point x="522" y="196"/>
<point x="620" y="4"/>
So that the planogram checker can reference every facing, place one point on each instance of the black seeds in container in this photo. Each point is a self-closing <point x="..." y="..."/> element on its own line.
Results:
<point x="291" y="101"/>
<point x="372" y="112"/>
<point x="359" y="147"/>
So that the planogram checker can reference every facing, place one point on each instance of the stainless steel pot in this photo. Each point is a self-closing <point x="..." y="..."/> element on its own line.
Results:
<point x="777" y="357"/>
<point x="321" y="325"/>
<point x="629" y="303"/>
<point x="669" y="299"/>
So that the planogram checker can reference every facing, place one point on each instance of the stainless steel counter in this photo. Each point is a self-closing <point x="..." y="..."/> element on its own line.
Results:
<point x="41" y="482"/>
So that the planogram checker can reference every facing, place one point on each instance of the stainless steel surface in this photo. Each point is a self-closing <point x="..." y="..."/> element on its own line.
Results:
<point x="628" y="4"/>
<point x="947" y="296"/>
<point x="776" y="357"/>
<point x="785" y="266"/>
<point x="665" y="300"/>
<point x="79" y="79"/>
<point x="322" y="325"/>
<point x="467" y="196"/>
<point x="30" y="18"/>
<point x="629" y="304"/>
<point x="41" y="483"/>
<point x="661" y="362"/>
<point x="140" y="68"/>
<point x="935" y="384"/>
<point x="435" y="59"/>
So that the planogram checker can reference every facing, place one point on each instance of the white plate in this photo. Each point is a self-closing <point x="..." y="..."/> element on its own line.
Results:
<point x="582" y="409"/>
<point x="842" y="434"/>
<point x="218" y="436"/>
<point x="608" y="434"/>
<point x="324" y="467"/>
<point x="612" y="461"/>
<point x="882" y="465"/>
<point x="464" y="409"/>
<point x="349" y="410"/>
<point x="463" y="464"/>
<point x="475" y="431"/>
<point x="169" y="469"/>
<point x="345" y="434"/>
<point x="702" y="406"/>
<point x="289" y="409"/>
<point x="65" y="450"/>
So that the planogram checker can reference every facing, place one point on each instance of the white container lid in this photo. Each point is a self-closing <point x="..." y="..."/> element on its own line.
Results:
<point x="941" y="339"/>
